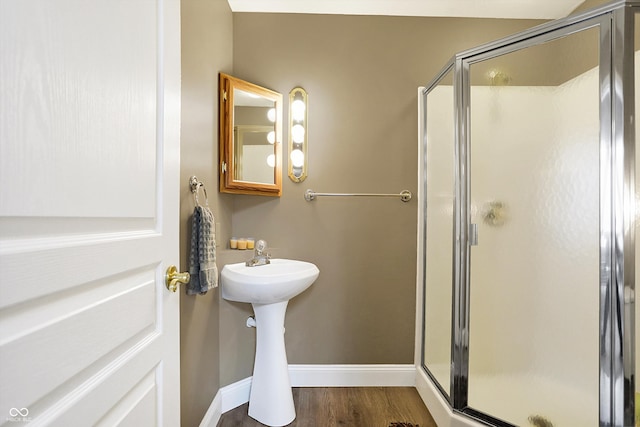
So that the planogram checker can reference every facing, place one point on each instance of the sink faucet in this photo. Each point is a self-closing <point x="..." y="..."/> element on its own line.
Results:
<point x="261" y="257"/>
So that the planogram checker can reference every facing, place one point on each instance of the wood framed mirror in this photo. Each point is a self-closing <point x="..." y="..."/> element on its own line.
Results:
<point x="250" y="131"/>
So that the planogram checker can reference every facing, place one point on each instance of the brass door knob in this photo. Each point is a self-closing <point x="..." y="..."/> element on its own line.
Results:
<point x="173" y="277"/>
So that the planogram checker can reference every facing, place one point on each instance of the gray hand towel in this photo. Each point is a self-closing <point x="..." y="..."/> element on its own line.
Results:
<point x="202" y="259"/>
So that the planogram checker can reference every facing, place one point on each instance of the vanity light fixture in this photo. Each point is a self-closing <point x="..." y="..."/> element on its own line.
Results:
<point x="298" y="134"/>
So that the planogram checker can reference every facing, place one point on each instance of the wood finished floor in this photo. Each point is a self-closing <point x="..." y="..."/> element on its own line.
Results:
<point x="346" y="407"/>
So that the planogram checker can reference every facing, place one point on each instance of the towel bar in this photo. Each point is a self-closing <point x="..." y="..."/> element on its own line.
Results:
<point x="405" y="195"/>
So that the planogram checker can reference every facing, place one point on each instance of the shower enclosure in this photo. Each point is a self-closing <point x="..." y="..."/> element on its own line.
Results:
<point x="527" y="225"/>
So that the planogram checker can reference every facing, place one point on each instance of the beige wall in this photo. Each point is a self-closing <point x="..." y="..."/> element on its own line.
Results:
<point x="590" y="4"/>
<point x="207" y="41"/>
<point x="362" y="75"/>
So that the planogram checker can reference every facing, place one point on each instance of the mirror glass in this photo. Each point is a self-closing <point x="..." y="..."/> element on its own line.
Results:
<point x="250" y="138"/>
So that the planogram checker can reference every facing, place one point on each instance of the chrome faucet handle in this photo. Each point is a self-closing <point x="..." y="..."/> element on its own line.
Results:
<point x="261" y="246"/>
<point x="261" y="256"/>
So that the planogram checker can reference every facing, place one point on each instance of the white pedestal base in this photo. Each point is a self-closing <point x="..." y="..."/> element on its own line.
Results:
<point x="271" y="398"/>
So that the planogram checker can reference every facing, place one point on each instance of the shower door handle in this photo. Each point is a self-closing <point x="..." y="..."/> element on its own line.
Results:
<point x="473" y="234"/>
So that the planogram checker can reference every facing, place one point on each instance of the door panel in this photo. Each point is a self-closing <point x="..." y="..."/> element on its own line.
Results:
<point x="83" y="81"/>
<point x="89" y="162"/>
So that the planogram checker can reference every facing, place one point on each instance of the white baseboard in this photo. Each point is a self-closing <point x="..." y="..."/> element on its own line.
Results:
<point x="236" y="394"/>
<point x="352" y="375"/>
<point x="214" y="412"/>
<point x="442" y="414"/>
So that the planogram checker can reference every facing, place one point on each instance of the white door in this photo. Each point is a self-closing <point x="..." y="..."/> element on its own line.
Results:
<point x="89" y="164"/>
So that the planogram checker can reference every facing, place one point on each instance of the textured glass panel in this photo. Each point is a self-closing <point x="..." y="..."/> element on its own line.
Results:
<point x="439" y="231"/>
<point x="534" y="302"/>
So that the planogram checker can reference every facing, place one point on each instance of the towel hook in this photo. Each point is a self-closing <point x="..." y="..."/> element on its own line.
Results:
<point x="194" y="184"/>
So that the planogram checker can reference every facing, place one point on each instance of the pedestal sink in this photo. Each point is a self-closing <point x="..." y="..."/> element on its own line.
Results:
<point x="268" y="288"/>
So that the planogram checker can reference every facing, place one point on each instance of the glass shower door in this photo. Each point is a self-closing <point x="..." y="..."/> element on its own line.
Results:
<point x="438" y="235"/>
<point x="534" y="201"/>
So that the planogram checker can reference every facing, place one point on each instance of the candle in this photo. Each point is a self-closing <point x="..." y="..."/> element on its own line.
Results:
<point x="242" y="244"/>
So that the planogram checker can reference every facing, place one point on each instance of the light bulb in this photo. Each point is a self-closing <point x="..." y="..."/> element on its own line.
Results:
<point x="297" y="133"/>
<point x="271" y="137"/>
<point x="297" y="110"/>
<point x="297" y="158"/>
<point x="271" y="115"/>
<point x="271" y="160"/>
